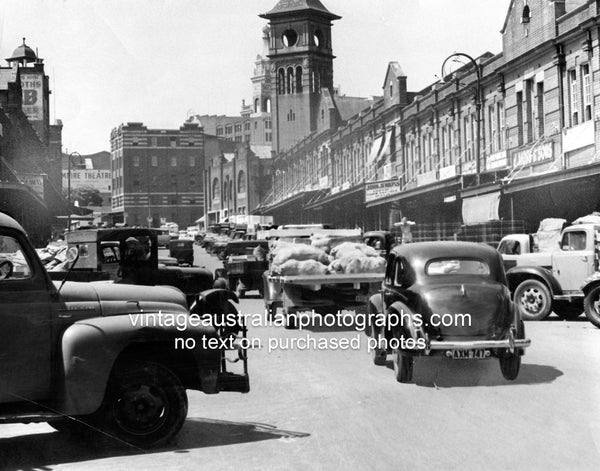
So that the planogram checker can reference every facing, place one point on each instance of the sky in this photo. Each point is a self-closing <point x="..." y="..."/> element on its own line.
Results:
<point x="158" y="61"/>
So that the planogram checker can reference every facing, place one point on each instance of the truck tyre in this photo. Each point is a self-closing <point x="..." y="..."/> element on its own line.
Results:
<point x="567" y="311"/>
<point x="591" y="305"/>
<point x="403" y="366"/>
<point x="510" y="364"/>
<point x="145" y="404"/>
<point x="533" y="299"/>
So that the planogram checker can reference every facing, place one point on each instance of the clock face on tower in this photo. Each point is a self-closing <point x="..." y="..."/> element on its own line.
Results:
<point x="289" y="38"/>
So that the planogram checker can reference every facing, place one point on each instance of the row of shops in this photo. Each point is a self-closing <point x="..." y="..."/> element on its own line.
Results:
<point x="511" y="136"/>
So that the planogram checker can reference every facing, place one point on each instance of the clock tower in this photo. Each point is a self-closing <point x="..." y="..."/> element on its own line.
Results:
<point x="302" y="63"/>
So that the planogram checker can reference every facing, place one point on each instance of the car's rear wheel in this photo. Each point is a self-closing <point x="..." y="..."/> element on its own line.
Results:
<point x="591" y="305"/>
<point x="145" y="404"/>
<point x="533" y="299"/>
<point x="510" y="364"/>
<point x="378" y="354"/>
<point x="566" y="310"/>
<point x="403" y="367"/>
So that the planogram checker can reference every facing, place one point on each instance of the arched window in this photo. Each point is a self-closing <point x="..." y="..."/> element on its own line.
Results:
<point x="256" y="103"/>
<point x="299" y="79"/>
<point x="281" y="81"/>
<point x="268" y="105"/>
<point x="316" y="82"/>
<point x="289" y="86"/>
<point x="241" y="182"/>
<point x="215" y="189"/>
<point x="231" y="190"/>
<point x="526" y="15"/>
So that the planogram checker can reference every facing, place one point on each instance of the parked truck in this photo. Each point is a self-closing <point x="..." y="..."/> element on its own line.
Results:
<point x="93" y="356"/>
<point x="566" y="280"/>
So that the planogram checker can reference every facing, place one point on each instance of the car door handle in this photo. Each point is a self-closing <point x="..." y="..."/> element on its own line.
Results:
<point x="584" y="258"/>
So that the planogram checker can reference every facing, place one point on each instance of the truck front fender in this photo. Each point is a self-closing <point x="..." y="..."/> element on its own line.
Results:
<point x="518" y="274"/>
<point x="90" y="348"/>
<point x="591" y="281"/>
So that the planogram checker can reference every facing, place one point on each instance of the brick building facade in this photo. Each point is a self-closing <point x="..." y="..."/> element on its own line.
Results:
<point x="157" y="174"/>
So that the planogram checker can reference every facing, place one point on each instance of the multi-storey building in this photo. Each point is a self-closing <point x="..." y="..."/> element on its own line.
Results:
<point x="237" y="180"/>
<point x="512" y="135"/>
<point x="157" y="174"/>
<point x="30" y="147"/>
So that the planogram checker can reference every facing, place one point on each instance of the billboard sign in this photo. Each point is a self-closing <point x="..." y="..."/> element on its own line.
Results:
<point x="33" y="97"/>
<point x="97" y="179"/>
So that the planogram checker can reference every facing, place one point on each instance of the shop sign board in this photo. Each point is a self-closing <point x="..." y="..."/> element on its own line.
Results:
<point x="382" y="189"/>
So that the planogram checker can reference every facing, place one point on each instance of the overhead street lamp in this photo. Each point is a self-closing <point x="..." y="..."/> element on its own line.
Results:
<point x="69" y="161"/>
<point x="478" y="103"/>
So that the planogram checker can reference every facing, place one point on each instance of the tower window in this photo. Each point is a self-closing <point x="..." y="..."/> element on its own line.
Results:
<point x="318" y="38"/>
<point x="281" y="81"/>
<point x="289" y="84"/>
<point x="526" y="15"/>
<point x="289" y="38"/>
<point x="299" y="79"/>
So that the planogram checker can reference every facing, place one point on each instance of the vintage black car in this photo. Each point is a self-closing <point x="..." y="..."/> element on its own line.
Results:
<point x="445" y="298"/>
<point x="182" y="250"/>
<point x="244" y="265"/>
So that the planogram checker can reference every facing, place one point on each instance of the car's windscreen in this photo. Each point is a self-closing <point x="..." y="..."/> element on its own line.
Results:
<point x="456" y="266"/>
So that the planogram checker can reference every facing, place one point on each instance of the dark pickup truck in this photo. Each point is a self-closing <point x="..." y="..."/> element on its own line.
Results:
<point x="130" y="255"/>
<point x="105" y="356"/>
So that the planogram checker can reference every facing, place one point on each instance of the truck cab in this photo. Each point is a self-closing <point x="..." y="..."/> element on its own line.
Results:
<point x="559" y="280"/>
<point x="92" y="356"/>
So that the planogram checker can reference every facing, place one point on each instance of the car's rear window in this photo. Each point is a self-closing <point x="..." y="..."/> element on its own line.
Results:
<point x="456" y="266"/>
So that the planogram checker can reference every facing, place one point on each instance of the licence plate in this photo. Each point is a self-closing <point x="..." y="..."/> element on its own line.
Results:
<point x="468" y="354"/>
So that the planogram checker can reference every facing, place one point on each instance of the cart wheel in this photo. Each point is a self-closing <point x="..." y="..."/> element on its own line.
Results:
<point x="291" y="319"/>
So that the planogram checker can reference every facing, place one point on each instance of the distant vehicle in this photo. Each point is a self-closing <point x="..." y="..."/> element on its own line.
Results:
<point x="382" y="241"/>
<point x="445" y="298"/>
<point x="182" y="250"/>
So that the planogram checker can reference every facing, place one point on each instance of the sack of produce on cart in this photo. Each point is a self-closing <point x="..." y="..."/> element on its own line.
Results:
<point x="299" y="267"/>
<point x="356" y="258"/>
<point x="299" y="252"/>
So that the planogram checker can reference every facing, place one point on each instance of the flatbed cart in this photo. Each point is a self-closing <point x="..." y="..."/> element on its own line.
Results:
<point x="325" y="294"/>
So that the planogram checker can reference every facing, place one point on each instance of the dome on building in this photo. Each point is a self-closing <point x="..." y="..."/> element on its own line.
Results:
<point x="23" y="54"/>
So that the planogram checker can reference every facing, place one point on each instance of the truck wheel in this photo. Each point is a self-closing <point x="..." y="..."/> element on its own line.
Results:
<point x="567" y="311"/>
<point x="403" y="367"/>
<point x="145" y="404"/>
<point x="510" y="363"/>
<point x="290" y="319"/>
<point x="533" y="299"/>
<point x="591" y="305"/>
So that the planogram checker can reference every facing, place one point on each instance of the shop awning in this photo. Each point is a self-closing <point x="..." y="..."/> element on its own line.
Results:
<point x="480" y="209"/>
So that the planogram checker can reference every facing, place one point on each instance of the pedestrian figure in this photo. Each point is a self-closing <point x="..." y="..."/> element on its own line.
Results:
<point x="405" y="226"/>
